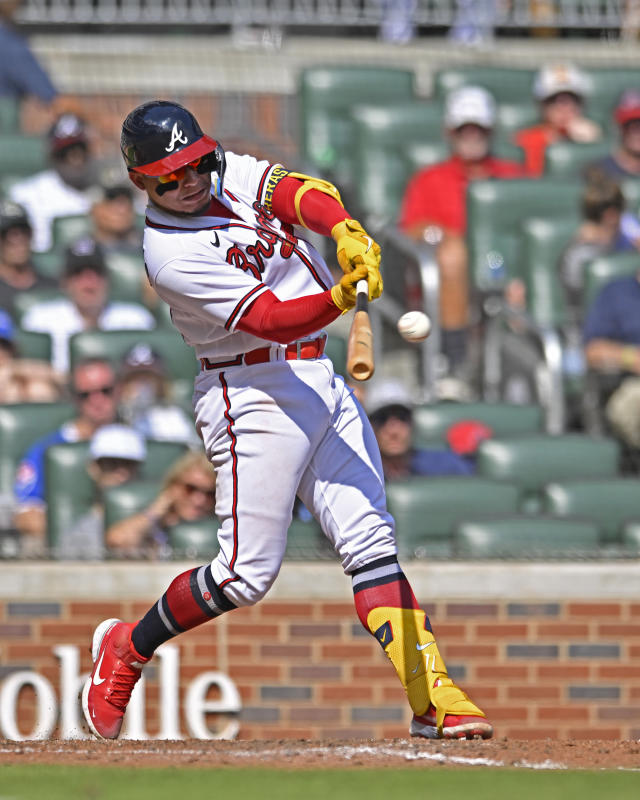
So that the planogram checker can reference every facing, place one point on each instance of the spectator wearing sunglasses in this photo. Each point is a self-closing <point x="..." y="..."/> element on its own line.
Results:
<point x="86" y="305"/>
<point x="116" y="454"/>
<point x="93" y="384"/>
<point x="390" y="409"/>
<point x="187" y="495"/>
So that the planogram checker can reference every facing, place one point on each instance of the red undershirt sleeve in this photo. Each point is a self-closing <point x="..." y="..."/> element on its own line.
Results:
<point x="319" y="210"/>
<point x="285" y="321"/>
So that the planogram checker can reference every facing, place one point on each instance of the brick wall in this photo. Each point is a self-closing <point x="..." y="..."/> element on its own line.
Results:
<point x="560" y="668"/>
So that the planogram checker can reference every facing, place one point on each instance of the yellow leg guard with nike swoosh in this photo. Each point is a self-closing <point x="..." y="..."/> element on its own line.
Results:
<point x="412" y="649"/>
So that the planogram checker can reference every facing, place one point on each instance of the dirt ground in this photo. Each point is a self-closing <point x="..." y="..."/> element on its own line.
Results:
<point x="305" y="754"/>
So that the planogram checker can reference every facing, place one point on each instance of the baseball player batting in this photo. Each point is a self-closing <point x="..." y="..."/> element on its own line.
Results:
<point x="252" y="298"/>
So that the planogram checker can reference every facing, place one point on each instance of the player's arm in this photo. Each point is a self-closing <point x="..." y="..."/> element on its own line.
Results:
<point x="315" y="204"/>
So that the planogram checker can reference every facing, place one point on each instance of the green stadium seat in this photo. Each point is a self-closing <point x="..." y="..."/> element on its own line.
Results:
<point x="568" y="159"/>
<point x="9" y="115"/>
<point x="21" y="424"/>
<point x="604" y="269"/>
<point x="524" y="536"/>
<point x="610" y="503"/>
<point x="432" y="420"/>
<point x="66" y="229"/>
<point x="379" y="134"/>
<point x="123" y="501"/>
<point x="48" y="263"/>
<point x="69" y="490"/>
<point x="631" y="191"/>
<point x="606" y="84"/>
<point x="336" y="349"/>
<point x="195" y="540"/>
<point x="531" y="461"/>
<point x="506" y="84"/>
<point x="305" y="540"/>
<point x="496" y="211"/>
<point x="22" y="155"/>
<point x="512" y="117"/>
<point x="426" y="510"/>
<point x="33" y="344"/>
<point x="327" y="94"/>
<point x="126" y="276"/>
<point x="543" y="241"/>
<point x="630" y="534"/>
<point x="179" y="358"/>
<point x="417" y="155"/>
<point x="24" y="300"/>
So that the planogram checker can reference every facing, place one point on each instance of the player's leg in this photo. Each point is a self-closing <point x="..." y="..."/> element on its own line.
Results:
<point x="343" y="486"/>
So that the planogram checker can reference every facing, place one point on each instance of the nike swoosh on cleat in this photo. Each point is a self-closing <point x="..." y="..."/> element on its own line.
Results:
<point x="97" y="680"/>
<point x="370" y="240"/>
<point x="423" y="646"/>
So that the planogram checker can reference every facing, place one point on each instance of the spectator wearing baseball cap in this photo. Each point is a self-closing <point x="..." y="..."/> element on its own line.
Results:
<point x="116" y="454"/>
<point x="390" y="410"/>
<point x="624" y="161"/>
<point x="17" y="272"/>
<point x="86" y="305"/>
<point x="434" y="205"/>
<point x="65" y="187"/>
<point x="113" y="213"/>
<point x="561" y="91"/>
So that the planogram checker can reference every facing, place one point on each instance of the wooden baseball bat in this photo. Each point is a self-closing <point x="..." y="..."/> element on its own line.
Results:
<point x="360" y="364"/>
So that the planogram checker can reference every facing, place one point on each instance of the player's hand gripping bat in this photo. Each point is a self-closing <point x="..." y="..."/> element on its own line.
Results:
<point x="360" y="363"/>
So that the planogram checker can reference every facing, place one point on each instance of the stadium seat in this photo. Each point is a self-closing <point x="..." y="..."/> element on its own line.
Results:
<point x="432" y="420"/>
<point x="70" y="491"/>
<point x="531" y="461"/>
<point x="126" y="276"/>
<point x="604" y="269"/>
<point x="305" y="540"/>
<point x="426" y="509"/>
<point x="610" y="503"/>
<point x="543" y="241"/>
<point x="9" y="115"/>
<point x="131" y="498"/>
<point x="606" y="84"/>
<point x="327" y="94"/>
<point x="179" y="358"/>
<point x="379" y="135"/>
<point x="66" y="229"/>
<point x="506" y="84"/>
<point x="496" y="211"/>
<point x="32" y="344"/>
<point x="569" y="159"/>
<point x="195" y="540"/>
<point x="524" y="536"/>
<point x="513" y="116"/>
<point x="48" y="263"/>
<point x="23" y="301"/>
<point x="22" y="155"/>
<point x="336" y="349"/>
<point x="630" y="535"/>
<point x="21" y="424"/>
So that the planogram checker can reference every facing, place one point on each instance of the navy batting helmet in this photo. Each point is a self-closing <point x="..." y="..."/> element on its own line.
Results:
<point x="159" y="137"/>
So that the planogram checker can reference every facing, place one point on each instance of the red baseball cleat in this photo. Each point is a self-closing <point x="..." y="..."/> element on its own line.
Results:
<point x="453" y="726"/>
<point x="116" y="669"/>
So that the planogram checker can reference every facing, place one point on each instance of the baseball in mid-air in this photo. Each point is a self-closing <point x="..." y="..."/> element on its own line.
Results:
<point x="414" y="326"/>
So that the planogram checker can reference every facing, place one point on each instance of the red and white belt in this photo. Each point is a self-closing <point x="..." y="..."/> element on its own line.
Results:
<point x="302" y="349"/>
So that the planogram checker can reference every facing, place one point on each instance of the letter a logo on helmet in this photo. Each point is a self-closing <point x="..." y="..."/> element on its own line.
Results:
<point x="149" y="127"/>
<point x="177" y="137"/>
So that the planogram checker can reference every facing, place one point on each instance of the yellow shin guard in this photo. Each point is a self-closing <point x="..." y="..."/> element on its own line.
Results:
<point x="413" y="651"/>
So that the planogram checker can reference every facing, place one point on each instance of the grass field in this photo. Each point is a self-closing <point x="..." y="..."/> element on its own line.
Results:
<point x="33" y="781"/>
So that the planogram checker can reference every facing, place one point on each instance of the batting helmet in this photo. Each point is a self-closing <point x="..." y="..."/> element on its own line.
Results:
<point x="159" y="137"/>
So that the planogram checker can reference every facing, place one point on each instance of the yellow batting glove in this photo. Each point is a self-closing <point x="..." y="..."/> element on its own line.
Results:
<point x="343" y="293"/>
<point x="356" y="247"/>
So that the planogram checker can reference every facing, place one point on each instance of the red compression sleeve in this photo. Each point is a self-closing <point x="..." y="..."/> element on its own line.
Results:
<point x="285" y="321"/>
<point x="319" y="210"/>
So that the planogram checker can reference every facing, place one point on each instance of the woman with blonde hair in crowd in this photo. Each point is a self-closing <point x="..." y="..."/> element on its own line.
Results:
<point x="187" y="495"/>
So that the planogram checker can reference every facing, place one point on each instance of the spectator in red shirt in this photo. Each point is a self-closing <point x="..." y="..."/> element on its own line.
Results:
<point x="560" y="90"/>
<point x="434" y="206"/>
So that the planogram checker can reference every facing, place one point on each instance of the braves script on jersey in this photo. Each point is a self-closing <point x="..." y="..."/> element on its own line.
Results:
<point x="272" y="429"/>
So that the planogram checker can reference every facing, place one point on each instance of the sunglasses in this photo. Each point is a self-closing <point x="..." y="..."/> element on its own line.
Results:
<point x="107" y="391"/>
<point x="192" y="488"/>
<point x="206" y="163"/>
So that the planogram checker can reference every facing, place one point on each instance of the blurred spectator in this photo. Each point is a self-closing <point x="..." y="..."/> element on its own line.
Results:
<point x="560" y="90"/>
<point x="17" y="273"/>
<point x="144" y="391"/>
<point x="474" y="22"/>
<point x="93" y="384"/>
<point x="397" y="24"/>
<point x="20" y="73"/>
<point x="24" y="380"/>
<point x="606" y="227"/>
<point x="86" y="306"/>
<point x="434" y="206"/>
<point x="390" y="411"/>
<point x="116" y="453"/>
<point x="624" y="161"/>
<point x="187" y="495"/>
<point x="114" y="216"/>
<point x="64" y="188"/>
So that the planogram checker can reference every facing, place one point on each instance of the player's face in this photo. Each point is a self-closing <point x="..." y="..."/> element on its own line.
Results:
<point x="190" y="196"/>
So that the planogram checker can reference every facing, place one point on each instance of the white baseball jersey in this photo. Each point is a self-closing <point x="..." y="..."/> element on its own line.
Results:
<point x="209" y="269"/>
<point x="270" y="429"/>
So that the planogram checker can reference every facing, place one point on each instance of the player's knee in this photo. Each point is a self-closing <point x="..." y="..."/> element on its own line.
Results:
<point x="247" y="591"/>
